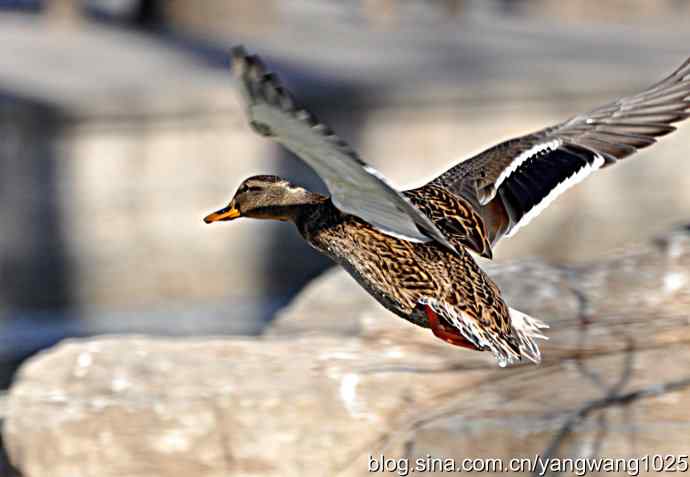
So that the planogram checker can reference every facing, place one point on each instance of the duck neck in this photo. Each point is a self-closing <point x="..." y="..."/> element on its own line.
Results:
<point x="317" y="211"/>
<point x="299" y="211"/>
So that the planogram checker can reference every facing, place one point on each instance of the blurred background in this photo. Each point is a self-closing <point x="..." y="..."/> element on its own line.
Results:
<point x="120" y="128"/>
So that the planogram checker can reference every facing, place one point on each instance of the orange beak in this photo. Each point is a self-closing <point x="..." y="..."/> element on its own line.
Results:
<point x="227" y="213"/>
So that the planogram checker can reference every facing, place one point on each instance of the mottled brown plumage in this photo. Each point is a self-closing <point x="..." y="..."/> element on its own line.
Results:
<point x="402" y="275"/>
<point x="410" y="249"/>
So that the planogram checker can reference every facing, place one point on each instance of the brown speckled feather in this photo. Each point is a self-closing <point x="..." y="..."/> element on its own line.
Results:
<point x="454" y="216"/>
<point x="400" y="274"/>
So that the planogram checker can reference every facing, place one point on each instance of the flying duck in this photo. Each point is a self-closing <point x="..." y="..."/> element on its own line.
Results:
<point x="412" y="249"/>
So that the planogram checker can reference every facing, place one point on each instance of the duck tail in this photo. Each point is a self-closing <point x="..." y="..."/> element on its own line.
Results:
<point x="526" y="330"/>
<point x="506" y="349"/>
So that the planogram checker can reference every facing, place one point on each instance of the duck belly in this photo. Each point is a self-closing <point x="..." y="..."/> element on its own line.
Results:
<point x="392" y="270"/>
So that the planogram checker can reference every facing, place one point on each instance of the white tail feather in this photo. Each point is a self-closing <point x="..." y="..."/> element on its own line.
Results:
<point x="527" y="329"/>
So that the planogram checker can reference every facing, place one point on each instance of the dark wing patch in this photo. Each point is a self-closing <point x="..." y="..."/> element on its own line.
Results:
<point x="539" y="180"/>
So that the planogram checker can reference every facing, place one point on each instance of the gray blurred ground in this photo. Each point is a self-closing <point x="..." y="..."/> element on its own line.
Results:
<point x="117" y="141"/>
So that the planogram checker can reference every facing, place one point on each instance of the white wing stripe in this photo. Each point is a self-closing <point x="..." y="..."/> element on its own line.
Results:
<point x="576" y="178"/>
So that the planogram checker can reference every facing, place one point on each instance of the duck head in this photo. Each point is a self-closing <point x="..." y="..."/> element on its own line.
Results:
<point x="265" y="197"/>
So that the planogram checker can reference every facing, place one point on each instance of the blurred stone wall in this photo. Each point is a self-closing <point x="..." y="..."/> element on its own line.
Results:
<point x="210" y="17"/>
<point x="616" y="11"/>
<point x="110" y="209"/>
<point x="108" y="167"/>
<point x="129" y="155"/>
<point x="34" y="268"/>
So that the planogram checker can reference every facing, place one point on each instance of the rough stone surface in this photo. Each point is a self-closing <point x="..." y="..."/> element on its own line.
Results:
<point x="338" y="379"/>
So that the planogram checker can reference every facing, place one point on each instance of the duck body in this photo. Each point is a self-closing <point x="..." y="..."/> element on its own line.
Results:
<point x="403" y="275"/>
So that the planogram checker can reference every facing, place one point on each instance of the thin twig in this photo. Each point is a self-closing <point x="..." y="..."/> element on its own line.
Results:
<point x="624" y="399"/>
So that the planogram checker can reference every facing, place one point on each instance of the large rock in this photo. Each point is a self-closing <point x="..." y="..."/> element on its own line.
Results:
<point x="338" y="379"/>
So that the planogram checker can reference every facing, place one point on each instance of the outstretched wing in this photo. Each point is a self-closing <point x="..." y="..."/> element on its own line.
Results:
<point x="356" y="188"/>
<point x="511" y="183"/>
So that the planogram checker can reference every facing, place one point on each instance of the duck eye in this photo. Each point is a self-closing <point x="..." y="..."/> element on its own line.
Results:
<point x="247" y="188"/>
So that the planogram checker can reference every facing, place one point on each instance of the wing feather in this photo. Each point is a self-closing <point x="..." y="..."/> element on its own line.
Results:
<point x="356" y="188"/>
<point x="525" y="174"/>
